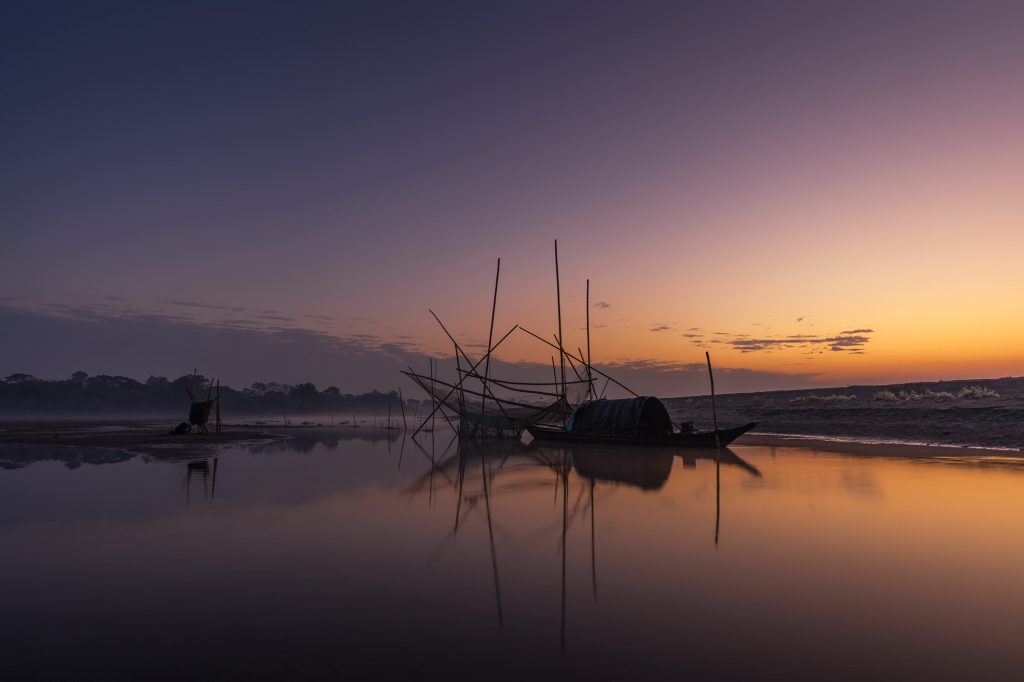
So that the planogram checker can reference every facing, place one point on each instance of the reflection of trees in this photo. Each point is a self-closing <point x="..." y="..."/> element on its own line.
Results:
<point x="19" y="456"/>
<point x="108" y="393"/>
<point x="306" y="440"/>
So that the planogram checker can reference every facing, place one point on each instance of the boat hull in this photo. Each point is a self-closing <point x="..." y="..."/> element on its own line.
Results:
<point x="701" y="439"/>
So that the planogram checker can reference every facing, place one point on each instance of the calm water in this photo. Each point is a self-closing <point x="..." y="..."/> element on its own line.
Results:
<point x="380" y="559"/>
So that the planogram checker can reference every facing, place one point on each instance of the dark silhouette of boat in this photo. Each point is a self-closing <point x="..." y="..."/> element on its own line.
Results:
<point x="633" y="421"/>
<point x="696" y="439"/>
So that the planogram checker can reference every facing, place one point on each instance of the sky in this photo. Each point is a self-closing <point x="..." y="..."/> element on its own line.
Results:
<point x="818" y="194"/>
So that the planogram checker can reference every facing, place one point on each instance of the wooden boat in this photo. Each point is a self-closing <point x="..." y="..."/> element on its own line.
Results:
<point x="495" y="413"/>
<point x="697" y="439"/>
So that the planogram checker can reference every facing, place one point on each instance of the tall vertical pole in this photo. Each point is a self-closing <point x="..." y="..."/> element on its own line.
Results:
<point x="218" y="418"/>
<point x="401" y="401"/>
<point x="458" y="373"/>
<point x="490" y="533"/>
<point x="593" y="548"/>
<point x="565" y="537"/>
<point x="433" y="400"/>
<point x="490" y="339"/>
<point x="714" y="409"/>
<point x="561" y="345"/>
<point x="590" y="376"/>
<point x="718" y="495"/>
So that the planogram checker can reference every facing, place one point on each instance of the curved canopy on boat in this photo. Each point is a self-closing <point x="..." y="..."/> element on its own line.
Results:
<point x="643" y="416"/>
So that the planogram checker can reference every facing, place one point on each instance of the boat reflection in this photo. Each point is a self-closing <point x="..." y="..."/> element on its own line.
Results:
<point x="476" y="471"/>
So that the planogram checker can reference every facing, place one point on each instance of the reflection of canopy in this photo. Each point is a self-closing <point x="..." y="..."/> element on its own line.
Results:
<point x="643" y="468"/>
<point x="643" y="416"/>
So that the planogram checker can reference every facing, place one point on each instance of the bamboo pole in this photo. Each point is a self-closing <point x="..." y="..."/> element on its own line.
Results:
<point x="454" y="387"/>
<point x="718" y="495"/>
<point x="490" y="533"/>
<point x="458" y="386"/>
<point x="565" y="539"/>
<point x="472" y="370"/>
<point x="433" y="400"/>
<point x="458" y="350"/>
<point x="458" y="373"/>
<point x="218" y="417"/>
<point x="617" y="383"/>
<point x="593" y="546"/>
<point x="590" y="376"/>
<point x="401" y="401"/>
<point x="714" y="409"/>
<point x="561" y="346"/>
<point x="490" y="338"/>
<point x="572" y="366"/>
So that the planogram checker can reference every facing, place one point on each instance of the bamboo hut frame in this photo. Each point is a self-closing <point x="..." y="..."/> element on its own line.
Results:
<point x="482" y="412"/>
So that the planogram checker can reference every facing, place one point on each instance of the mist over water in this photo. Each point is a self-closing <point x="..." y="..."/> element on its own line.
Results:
<point x="350" y="553"/>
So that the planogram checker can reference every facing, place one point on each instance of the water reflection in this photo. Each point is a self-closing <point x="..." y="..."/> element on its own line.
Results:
<point x="471" y="470"/>
<point x="327" y="556"/>
<point x="201" y="471"/>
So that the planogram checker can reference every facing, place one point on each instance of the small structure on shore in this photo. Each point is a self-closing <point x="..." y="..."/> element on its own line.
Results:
<point x="199" y="411"/>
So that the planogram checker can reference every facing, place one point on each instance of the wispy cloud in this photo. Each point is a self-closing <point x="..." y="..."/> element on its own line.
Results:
<point x="602" y="304"/>
<point x="851" y="343"/>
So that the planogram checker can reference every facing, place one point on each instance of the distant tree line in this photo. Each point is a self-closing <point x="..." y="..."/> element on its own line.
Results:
<point x="104" y="393"/>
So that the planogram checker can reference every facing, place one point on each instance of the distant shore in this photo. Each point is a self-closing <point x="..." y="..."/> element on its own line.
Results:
<point x="984" y="413"/>
<point x="977" y="414"/>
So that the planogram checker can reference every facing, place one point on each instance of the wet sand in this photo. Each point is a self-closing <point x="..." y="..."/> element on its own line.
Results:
<point x="879" y="448"/>
<point x="918" y="414"/>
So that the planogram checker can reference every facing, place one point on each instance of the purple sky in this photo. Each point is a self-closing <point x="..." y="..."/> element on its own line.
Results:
<point x="325" y="171"/>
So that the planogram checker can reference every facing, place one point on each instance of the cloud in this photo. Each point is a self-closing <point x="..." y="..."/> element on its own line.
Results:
<point x="859" y="331"/>
<point x="140" y="343"/>
<point x="844" y="342"/>
<point x="661" y="328"/>
<point x="800" y="319"/>
<point x="208" y="306"/>
<point x="602" y="304"/>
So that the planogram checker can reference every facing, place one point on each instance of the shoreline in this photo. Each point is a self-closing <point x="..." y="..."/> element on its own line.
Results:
<point x="147" y="439"/>
<point x="873" y="447"/>
<point x="152" y="439"/>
